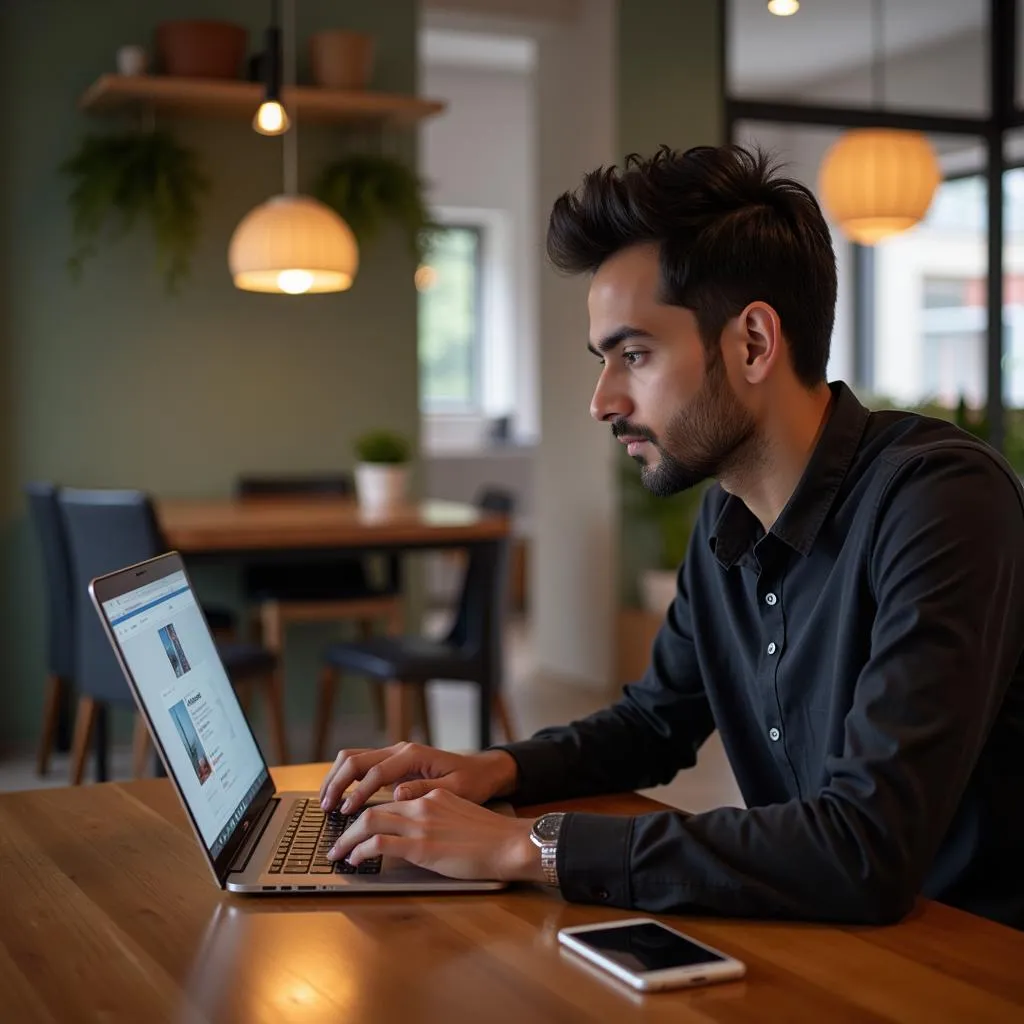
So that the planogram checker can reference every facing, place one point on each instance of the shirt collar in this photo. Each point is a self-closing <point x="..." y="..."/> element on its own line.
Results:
<point x="738" y="529"/>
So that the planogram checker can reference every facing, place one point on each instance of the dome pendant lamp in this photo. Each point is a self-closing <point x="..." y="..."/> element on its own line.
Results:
<point x="877" y="182"/>
<point x="292" y="244"/>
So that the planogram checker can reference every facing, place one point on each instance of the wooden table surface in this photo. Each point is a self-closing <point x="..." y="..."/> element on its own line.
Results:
<point x="109" y="914"/>
<point x="231" y="524"/>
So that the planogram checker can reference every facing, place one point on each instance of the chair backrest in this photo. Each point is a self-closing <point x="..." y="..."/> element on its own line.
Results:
<point x="106" y="530"/>
<point x="336" y="485"/>
<point x="483" y="596"/>
<point x="45" y="514"/>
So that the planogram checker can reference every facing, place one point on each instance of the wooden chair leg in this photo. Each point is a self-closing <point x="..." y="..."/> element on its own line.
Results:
<point x="422" y="710"/>
<point x="500" y="709"/>
<point x="140" y="746"/>
<point x="272" y="627"/>
<point x="324" y="706"/>
<point x="85" y="718"/>
<point x="397" y="705"/>
<point x="275" y="712"/>
<point x="51" y="713"/>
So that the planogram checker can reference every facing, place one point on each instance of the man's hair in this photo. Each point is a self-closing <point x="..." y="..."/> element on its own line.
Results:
<point x="730" y="231"/>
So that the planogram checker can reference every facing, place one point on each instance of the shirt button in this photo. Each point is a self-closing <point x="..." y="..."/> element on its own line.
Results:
<point x="774" y="734"/>
<point x="770" y="599"/>
<point x="601" y="894"/>
<point x="772" y="648"/>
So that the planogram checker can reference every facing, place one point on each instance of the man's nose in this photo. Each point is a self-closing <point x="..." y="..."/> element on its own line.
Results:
<point x="610" y="401"/>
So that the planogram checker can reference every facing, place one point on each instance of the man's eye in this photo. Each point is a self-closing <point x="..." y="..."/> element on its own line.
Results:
<point x="633" y="358"/>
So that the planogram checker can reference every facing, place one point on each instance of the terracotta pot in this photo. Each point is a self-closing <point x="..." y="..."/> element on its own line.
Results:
<point x="201" y="49"/>
<point x="340" y="59"/>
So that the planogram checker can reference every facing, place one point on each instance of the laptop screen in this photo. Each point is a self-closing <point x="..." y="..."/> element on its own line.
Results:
<point x="189" y="700"/>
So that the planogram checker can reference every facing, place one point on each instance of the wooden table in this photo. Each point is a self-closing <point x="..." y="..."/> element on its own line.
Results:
<point x="286" y="527"/>
<point x="233" y="526"/>
<point x="109" y="913"/>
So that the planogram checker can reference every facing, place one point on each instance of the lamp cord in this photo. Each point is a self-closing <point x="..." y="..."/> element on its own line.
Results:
<point x="291" y="137"/>
<point x="878" y="64"/>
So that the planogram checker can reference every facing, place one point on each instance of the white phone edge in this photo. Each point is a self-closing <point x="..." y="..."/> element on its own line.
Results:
<point x="653" y="981"/>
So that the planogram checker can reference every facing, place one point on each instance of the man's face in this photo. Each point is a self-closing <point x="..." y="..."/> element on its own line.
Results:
<point x="664" y="395"/>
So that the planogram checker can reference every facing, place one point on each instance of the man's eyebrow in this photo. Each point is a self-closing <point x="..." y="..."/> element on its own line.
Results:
<point x="616" y="338"/>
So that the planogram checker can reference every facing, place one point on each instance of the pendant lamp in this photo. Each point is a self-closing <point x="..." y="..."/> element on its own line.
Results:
<point x="292" y="244"/>
<point x="272" y="118"/>
<point x="877" y="182"/>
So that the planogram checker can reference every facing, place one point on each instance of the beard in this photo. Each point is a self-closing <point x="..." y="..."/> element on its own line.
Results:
<point x="706" y="438"/>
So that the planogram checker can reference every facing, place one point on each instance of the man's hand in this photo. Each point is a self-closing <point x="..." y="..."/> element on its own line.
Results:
<point x="415" y="770"/>
<point x="446" y="834"/>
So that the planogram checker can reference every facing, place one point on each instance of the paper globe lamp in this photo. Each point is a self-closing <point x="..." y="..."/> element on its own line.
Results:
<point x="877" y="182"/>
<point x="293" y="245"/>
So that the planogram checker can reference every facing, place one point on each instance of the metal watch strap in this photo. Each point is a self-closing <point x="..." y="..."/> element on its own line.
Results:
<point x="545" y="835"/>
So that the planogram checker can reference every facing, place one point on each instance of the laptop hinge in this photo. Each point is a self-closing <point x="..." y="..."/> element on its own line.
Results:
<point x="246" y="849"/>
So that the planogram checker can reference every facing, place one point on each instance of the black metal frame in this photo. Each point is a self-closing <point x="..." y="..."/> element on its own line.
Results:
<point x="1003" y="116"/>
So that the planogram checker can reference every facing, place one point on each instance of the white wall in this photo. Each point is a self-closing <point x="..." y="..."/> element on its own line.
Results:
<point x="574" y="557"/>
<point x="479" y="162"/>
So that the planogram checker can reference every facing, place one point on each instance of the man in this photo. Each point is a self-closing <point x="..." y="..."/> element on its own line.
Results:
<point x="849" y="615"/>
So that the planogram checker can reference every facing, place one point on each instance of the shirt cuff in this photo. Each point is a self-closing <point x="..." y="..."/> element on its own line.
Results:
<point x="539" y="763"/>
<point x="593" y="858"/>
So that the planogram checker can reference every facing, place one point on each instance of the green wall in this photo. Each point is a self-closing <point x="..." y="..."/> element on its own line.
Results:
<point x="669" y="91"/>
<point x="110" y="382"/>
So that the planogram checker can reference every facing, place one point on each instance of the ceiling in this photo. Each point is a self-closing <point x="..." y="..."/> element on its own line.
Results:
<point x="830" y="37"/>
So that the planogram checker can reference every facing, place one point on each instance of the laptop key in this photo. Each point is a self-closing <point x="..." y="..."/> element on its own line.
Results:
<point x="322" y="869"/>
<point x="342" y="867"/>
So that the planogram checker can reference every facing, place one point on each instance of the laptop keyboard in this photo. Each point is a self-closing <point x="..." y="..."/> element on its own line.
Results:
<point x="307" y="840"/>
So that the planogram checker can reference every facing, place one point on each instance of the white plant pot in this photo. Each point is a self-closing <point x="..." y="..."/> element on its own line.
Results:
<point x="658" y="589"/>
<point x="381" y="487"/>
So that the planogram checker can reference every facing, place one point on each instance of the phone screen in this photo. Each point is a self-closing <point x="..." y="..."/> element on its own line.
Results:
<point x="647" y="947"/>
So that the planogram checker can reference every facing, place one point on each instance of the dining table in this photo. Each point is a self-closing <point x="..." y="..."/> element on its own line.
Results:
<point x="110" y="914"/>
<point x="284" y="528"/>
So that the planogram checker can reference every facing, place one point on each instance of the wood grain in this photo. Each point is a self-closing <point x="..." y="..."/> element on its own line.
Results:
<point x="110" y="914"/>
<point x="290" y="524"/>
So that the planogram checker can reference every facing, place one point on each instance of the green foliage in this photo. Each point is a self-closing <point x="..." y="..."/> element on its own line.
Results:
<point x="674" y="517"/>
<point x="366" y="190"/>
<point x="382" y="446"/>
<point x="120" y="179"/>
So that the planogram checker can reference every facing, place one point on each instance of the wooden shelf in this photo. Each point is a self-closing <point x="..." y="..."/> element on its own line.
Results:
<point x="212" y="98"/>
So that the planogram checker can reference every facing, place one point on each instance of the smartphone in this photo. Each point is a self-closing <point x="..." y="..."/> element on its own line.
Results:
<point x="649" y="955"/>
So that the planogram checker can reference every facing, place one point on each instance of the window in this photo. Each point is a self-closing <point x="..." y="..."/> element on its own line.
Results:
<point x="450" y="330"/>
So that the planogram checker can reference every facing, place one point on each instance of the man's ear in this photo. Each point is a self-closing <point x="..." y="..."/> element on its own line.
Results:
<point x="760" y="335"/>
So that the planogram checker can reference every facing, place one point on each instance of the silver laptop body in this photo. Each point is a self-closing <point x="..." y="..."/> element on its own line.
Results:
<point x="256" y="840"/>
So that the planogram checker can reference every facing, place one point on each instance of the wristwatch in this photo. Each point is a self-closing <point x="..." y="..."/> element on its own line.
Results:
<point x="544" y="835"/>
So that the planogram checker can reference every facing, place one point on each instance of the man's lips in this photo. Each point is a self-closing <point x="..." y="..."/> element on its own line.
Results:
<point x="633" y="444"/>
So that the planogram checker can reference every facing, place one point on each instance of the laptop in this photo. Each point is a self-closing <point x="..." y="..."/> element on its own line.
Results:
<point x="256" y="840"/>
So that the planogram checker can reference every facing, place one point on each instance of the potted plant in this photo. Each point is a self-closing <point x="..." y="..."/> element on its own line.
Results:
<point x="673" y="520"/>
<point x="382" y="470"/>
<point x="122" y="178"/>
<point x="366" y="190"/>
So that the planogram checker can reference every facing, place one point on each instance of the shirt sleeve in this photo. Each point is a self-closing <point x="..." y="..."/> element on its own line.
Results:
<point x="653" y="731"/>
<point x="947" y="574"/>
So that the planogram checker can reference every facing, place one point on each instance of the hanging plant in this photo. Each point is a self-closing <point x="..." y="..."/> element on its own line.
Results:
<point x="367" y="190"/>
<point x="122" y="178"/>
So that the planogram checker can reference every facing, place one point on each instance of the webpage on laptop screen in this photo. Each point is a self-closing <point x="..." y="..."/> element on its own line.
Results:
<point x="175" y="665"/>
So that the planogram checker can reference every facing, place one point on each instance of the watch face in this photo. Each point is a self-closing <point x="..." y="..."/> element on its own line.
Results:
<point x="547" y="826"/>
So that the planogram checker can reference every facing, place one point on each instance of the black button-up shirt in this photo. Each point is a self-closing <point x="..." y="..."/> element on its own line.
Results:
<point x="863" y="663"/>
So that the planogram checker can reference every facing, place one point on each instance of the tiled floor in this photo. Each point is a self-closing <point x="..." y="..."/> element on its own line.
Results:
<point x="534" y="701"/>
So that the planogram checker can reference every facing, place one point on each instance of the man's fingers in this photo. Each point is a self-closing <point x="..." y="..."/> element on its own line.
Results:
<point x="353" y="767"/>
<point x="376" y="821"/>
<point x="343" y="756"/>
<point x="381" y="846"/>
<point x="386" y="771"/>
<point x="416" y="788"/>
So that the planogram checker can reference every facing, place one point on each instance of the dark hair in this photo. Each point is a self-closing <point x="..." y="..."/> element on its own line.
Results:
<point x="731" y="232"/>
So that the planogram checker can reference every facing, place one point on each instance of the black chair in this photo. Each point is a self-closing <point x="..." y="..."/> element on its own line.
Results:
<point x="471" y="651"/>
<point x="45" y="515"/>
<point x="316" y="588"/>
<point x="107" y="530"/>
